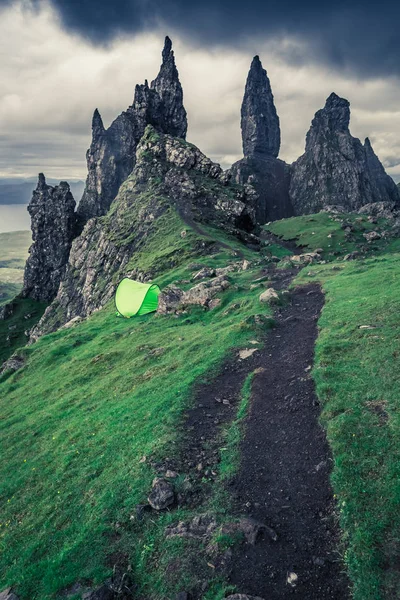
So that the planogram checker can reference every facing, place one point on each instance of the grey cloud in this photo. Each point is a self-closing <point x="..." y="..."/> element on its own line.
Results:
<point x="53" y="81"/>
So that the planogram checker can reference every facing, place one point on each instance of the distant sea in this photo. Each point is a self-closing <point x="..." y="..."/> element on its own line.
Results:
<point x="14" y="217"/>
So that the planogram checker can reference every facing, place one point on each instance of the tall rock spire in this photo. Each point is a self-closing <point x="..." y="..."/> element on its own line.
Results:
<point x="52" y="223"/>
<point x="261" y="137"/>
<point x="97" y="124"/>
<point x="336" y="168"/>
<point x="260" y="123"/>
<point x="169" y="88"/>
<point x="111" y="156"/>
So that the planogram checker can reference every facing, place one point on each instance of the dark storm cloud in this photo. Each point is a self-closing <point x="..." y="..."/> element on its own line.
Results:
<point x="355" y="35"/>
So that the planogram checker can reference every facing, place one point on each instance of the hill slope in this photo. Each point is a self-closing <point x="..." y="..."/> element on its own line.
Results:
<point x="107" y="404"/>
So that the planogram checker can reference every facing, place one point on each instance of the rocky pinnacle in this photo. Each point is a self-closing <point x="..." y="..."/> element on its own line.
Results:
<point x="261" y="137"/>
<point x="111" y="156"/>
<point x="337" y="168"/>
<point x="52" y="223"/>
<point x="260" y="123"/>
<point x="169" y="88"/>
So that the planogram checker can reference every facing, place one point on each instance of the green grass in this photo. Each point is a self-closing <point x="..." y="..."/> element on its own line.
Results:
<point x="77" y="419"/>
<point x="323" y="230"/>
<point x="13" y="254"/>
<point x="358" y="378"/>
<point x="93" y="400"/>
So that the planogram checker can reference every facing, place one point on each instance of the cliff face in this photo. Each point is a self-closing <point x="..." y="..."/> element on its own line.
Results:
<point x="261" y="139"/>
<point x="337" y="168"/>
<point x="171" y="179"/>
<point x="52" y="222"/>
<point x="111" y="155"/>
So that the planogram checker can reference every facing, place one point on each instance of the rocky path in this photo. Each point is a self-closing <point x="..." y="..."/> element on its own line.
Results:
<point x="284" y="476"/>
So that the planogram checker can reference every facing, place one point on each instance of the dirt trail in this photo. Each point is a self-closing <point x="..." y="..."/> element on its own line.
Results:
<point x="284" y="475"/>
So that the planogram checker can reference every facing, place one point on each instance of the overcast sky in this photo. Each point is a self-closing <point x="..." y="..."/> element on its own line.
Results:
<point x="60" y="61"/>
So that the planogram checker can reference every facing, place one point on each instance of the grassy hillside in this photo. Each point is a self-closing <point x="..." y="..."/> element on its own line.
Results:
<point x="100" y="405"/>
<point x="335" y="234"/>
<point x="13" y="254"/>
<point x="96" y="400"/>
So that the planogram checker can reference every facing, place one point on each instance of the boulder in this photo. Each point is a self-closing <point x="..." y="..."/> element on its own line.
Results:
<point x="162" y="494"/>
<point x="200" y="527"/>
<point x="169" y="299"/>
<point x="204" y="292"/>
<point x="14" y="363"/>
<point x="306" y="258"/>
<point x="204" y="273"/>
<point x="372" y="236"/>
<point x="270" y="296"/>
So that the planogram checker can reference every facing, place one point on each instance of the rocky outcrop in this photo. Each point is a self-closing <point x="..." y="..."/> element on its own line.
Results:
<point x="170" y="176"/>
<point x="261" y="139"/>
<point x="337" y="168"/>
<point x="111" y="156"/>
<point x="14" y="363"/>
<point x="381" y="210"/>
<point x="52" y="222"/>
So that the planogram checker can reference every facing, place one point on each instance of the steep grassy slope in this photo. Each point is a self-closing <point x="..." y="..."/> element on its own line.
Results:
<point x="88" y="405"/>
<point x="97" y="407"/>
<point x="13" y="254"/>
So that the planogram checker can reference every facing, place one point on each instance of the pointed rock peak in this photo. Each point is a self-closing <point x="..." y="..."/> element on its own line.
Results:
<point x="256" y="63"/>
<point x="260" y="123"/>
<point x="97" y="122"/>
<point x="367" y="143"/>
<point x="167" y="51"/>
<point x="169" y="89"/>
<point x="168" y="67"/>
<point x="338" y="110"/>
<point x="334" y="98"/>
<point x="41" y="182"/>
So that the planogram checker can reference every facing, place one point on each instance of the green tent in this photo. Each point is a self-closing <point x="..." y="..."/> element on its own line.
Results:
<point x="135" y="298"/>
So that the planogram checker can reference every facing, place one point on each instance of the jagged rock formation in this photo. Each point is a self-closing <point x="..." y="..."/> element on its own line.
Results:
<point x="336" y="168"/>
<point x="261" y="138"/>
<point x="261" y="134"/>
<point x="111" y="155"/>
<point x="171" y="179"/>
<point x="52" y="223"/>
